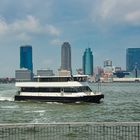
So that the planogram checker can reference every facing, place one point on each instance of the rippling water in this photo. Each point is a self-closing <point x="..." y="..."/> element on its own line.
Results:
<point x="121" y="103"/>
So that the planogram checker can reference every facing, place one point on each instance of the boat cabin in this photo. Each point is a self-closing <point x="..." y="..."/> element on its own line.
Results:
<point x="79" y="78"/>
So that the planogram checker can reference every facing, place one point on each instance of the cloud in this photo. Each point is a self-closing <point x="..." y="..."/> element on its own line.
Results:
<point x="56" y="42"/>
<point x="133" y="17"/>
<point x="23" y="36"/>
<point x="3" y="26"/>
<point x="16" y="9"/>
<point x="29" y="24"/>
<point x="117" y="11"/>
<point x="25" y="29"/>
<point x="106" y="8"/>
<point x="52" y="30"/>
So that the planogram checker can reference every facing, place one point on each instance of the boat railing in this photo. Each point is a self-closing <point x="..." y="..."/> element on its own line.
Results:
<point x="71" y="130"/>
<point x="98" y="88"/>
<point x="18" y="92"/>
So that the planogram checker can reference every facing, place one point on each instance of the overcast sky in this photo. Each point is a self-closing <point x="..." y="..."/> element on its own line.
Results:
<point x="108" y="27"/>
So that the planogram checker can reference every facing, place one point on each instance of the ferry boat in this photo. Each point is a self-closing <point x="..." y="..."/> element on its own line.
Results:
<point x="64" y="89"/>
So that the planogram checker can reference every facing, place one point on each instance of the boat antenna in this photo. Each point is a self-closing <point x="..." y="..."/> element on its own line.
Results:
<point x="99" y="85"/>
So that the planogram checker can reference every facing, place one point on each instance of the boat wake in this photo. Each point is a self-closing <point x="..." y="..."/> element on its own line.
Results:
<point x="6" y="98"/>
<point x="54" y="103"/>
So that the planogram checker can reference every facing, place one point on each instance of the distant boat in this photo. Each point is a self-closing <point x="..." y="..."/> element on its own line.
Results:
<point x="65" y="89"/>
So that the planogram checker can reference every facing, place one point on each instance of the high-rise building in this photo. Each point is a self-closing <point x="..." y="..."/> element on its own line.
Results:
<point x="108" y="69"/>
<point x="107" y="63"/>
<point x="88" y="62"/>
<point x="66" y="56"/>
<point x="26" y="57"/>
<point x="132" y="59"/>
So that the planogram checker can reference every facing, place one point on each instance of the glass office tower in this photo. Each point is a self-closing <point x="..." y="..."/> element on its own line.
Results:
<point x="26" y="57"/>
<point x="66" y="56"/>
<point x="132" y="59"/>
<point x="88" y="62"/>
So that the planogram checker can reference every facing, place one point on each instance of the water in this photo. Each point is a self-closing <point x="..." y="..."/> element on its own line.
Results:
<point x="121" y="103"/>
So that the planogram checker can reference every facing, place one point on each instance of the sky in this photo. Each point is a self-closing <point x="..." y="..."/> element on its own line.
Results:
<point x="108" y="27"/>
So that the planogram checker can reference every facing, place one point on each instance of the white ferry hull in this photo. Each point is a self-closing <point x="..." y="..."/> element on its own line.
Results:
<point x="62" y="99"/>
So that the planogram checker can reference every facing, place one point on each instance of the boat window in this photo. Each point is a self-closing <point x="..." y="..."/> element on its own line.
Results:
<point x="80" y="79"/>
<point x="78" y="89"/>
<point x="33" y="89"/>
<point x="84" y="89"/>
<point x="56" y="89"/>
<point x="60" y="79"/>
<point x="68" y="89"/>
<point x="53" y="79"/>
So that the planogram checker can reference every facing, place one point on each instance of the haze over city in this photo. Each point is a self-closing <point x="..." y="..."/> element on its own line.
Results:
<point x="108" y="27"/>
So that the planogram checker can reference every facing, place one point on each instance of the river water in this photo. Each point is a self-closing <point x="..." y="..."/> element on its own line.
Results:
<point x="121" y="103"/>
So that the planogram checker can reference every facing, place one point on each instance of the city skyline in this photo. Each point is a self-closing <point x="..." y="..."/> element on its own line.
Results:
<point x="107" y="27"/>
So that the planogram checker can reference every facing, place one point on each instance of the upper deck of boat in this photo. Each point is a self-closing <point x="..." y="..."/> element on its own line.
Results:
<point x="54" y="81"/>
<point x="79" y="78"/>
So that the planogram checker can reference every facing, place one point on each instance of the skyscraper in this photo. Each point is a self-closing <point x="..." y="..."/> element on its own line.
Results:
<point x="26" y="57"/>
<point x="66" y="56"/>
<point x="88" y="62"/>
<point x="132" y="59"/>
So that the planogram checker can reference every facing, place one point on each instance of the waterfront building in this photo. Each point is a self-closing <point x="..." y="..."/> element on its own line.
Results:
<point x="45" y="72"/>
<point x="132" y="59"/>
<point x="118" y="69"/>
<point x="23" y="75"/>
<point x="88" y="62"/>
<point x="107" y="63"/>
<point x="62" y="72"/>
<point x="108" y="68"/>
<point x="120" y="74"/>
<point x="108" y="71"/>
<point x="26" y="57"/>
<point x="66" y="56"/>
